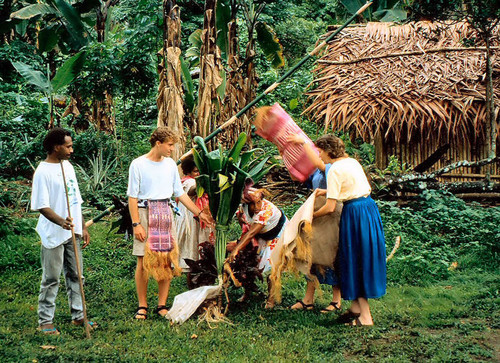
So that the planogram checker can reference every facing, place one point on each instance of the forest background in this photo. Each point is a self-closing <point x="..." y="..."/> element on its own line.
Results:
<point x="92" y="67"/>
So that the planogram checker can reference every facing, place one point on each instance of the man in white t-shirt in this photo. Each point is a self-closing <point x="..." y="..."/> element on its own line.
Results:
<point x="54" y="228"/>
<point x="154" y="177"/>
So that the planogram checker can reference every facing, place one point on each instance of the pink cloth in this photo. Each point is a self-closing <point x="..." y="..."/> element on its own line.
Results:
<point x="277" y="129"/>
<point x="160" y="238"/>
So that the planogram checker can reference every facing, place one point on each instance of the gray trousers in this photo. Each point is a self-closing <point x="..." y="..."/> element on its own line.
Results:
<point x="54" y="261"/>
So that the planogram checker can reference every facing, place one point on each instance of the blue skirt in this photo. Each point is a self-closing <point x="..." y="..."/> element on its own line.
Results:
<point x="361" y="255"/>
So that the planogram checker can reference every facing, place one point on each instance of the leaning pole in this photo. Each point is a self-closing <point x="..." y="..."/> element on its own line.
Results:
<point x="268" y="90"/>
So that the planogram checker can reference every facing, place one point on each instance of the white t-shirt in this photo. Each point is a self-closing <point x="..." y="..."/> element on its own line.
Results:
<point x="48" y="192"/>
<point x="154" y="180"/>
<point x="347" y="180"/>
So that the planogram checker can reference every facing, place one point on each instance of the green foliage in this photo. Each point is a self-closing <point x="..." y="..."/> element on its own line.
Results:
<point x="453" y="320"/>
<point x="223" y="176"/>
<point x="270" y="45"/>
<point x="381" y="10"/>
<point x="436" y="231"/>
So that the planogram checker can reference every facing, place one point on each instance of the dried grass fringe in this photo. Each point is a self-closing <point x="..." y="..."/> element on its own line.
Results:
<point x="159" y="264"/>
<point x="301" y="251"/>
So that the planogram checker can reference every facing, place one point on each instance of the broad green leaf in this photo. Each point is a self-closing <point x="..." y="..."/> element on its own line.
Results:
<point x="293" y="104"/>
<point x="270" y="45"/>
<point x="221" y="90"/>
<point x="68" y="71"/>
<point x="21" y="27"/>
<point x="222" y="18"/>
<point x="73" y="22"/>
<point x="188" y="85"/>
<point x="31" y="11"/>
<point x="195" y="38"/>
<point x="33" y="77"/>
<point x="47" y="39"/>
<point x="353" y="6"/>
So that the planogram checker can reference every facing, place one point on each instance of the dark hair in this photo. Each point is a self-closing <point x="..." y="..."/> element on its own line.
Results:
<point x="162" y="134"/>
<point x="55" y="137"/>
<point x="188" y="164"/>
<point x="332" y="145"/>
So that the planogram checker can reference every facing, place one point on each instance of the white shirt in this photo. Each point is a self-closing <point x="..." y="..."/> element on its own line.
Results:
<point x="49" y="192"/>
<point x="154" y="180"/>
<point x="269" y="215"/>
<point x="347" y="180"/>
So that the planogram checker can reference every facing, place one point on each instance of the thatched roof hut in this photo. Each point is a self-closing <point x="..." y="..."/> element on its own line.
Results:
<point x="409" y="104"/>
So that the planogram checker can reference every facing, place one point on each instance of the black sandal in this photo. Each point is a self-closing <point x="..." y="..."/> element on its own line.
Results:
<point x="160" y="308"/>
<point x="335" y="308"/>
<point x="304" y="306"/>
<point x="347" y="317"/>
<point x="137" y="313"/>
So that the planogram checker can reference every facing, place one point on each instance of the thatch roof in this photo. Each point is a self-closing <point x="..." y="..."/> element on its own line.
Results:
<point x="439" y="92"/>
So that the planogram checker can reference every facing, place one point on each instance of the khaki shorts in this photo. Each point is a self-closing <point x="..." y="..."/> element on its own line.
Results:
<point x="138" y="249"/>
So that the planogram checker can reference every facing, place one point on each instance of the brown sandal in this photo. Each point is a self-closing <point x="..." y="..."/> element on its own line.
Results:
<point x="335" y="305"/>
<point x="303" y="306"/>
<point x="141" y="316"/>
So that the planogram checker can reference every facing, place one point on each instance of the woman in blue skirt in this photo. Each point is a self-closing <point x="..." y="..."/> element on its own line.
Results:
<point x="361" y="255"/>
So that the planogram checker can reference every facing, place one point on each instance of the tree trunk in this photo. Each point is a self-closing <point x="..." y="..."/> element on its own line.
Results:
<point x="103" y="115"/>
<point x="170" y="96"/>
<point x="5" y="10"/>
<point x="209" y="102"/>
<point x="490" y="101"/>
<point x="236" y="89"/>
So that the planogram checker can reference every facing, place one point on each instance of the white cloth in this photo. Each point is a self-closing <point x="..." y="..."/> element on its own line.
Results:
<point x="189" y="233"/>
<point x="185" y="304"/>
<point x="152" y="180"/>
<point x="347" y="180"/>
<point x="48" y="191"/>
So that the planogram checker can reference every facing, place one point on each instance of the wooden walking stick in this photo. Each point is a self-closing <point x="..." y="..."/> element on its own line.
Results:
<point x="75" y="247"/>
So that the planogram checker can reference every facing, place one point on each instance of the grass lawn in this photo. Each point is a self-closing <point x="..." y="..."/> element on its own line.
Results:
<point x="455" y="320"/>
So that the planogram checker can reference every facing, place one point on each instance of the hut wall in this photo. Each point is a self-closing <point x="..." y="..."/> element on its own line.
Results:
<point x="420" y="148"/>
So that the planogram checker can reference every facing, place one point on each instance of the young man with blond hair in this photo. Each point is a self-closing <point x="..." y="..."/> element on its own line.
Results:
<point x="153" y="181"/>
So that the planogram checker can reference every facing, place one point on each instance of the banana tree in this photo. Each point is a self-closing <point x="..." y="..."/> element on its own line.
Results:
<point x="68" y="71"/>
<point x="223" y="176"/>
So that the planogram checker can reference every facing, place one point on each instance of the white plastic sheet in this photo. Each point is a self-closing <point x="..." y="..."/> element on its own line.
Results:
<point x="185" y="304"/>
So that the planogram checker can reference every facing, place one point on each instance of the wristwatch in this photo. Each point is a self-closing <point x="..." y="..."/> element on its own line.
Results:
<point x="135" y="224"/>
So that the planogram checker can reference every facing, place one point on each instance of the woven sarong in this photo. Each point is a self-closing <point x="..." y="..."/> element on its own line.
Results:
<point x="161" y="252"/>
<point x="160" y="237"/>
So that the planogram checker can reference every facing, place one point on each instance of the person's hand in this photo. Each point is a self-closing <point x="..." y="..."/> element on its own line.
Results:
<point x="207" y="218"/>
<point x="140" y="233"/>
<point x="320" y="192"/>
<point x="85" y="236"/>
<point x="233" y="254"/>
<point x="67" y="223"/>
<point x="296" y="139"/>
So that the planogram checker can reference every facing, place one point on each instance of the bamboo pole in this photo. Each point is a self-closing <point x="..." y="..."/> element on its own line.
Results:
<point x="77" y="259"/>
<point x="267" y="91"/>
<point x="292" y="70"/>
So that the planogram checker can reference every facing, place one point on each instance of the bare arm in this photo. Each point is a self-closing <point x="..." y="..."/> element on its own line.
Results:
<point x="328" y="208"/>
<point x="254" y="230"/>
<point x="311" y="154"/>
<point x="188" y="203"/>
<point x="56" y="218"/>
<point x="139" y="231"/>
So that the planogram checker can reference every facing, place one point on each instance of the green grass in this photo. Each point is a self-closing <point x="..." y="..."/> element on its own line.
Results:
<point x="454" y="320"/>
